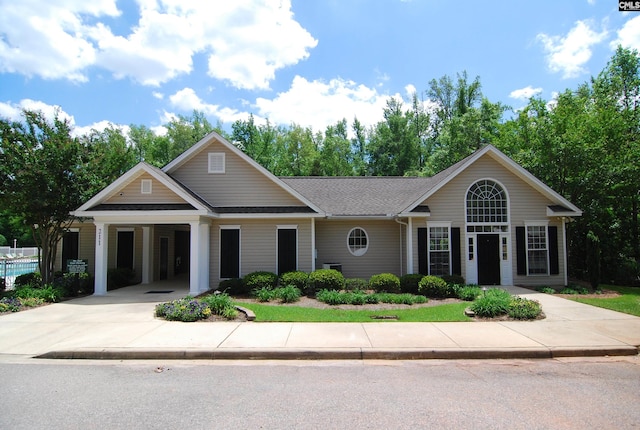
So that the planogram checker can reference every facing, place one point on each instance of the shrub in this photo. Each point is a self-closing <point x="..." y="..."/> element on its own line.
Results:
<point x="325" y="279"/>
<point x="10" y="304"/>
<point x="468" y="293"/>
<point x="524" y="309"/>
<point x="187" y="309"/>
<point x="433" y="286"/>
<point x="330" y="297"/>
<point x="33" y="280"/>
<point x="385" y="282"/>
<point x="491" y="303"/>
<point x="298" y="279"/>
<point x="73" y="283"/>
<point x="48" y="293"/>
<point x="568" y="290"/>
<point x="409" y="283"/>
<point x="453" y="279"/>
<point x="31" y="302"/>
<point x="547" y="290"/>
<point x="358" y="297"/>
<point x="263" y="294"/>
<point x="234" y="286"/>
<point x="288" y="294"/>
<point x="353" y="284"/>
<point x="261" y="279"/>
<point x="218" y="302"/>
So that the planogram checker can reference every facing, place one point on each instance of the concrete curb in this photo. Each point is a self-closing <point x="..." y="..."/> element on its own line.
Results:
<point x="336" y="353"/>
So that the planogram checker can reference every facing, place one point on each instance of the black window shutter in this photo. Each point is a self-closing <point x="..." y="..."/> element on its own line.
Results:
<point x="554" y="267"/>
<point x="521" y="250"/>
<point x="422" y="251"/>
<point x="455" y="251"/>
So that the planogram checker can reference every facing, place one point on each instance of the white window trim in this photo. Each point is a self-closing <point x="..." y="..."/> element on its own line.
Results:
<point x="430" y="225"/>
<point x="146" y="186"/>
<point x="361" y="251"/>
<point x="545" y="224"/>
<point x="214" y="159"/>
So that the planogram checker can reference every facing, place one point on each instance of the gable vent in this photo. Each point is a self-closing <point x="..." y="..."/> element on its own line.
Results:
<point x="145" y="186"/>
<point x="216" y="162"/>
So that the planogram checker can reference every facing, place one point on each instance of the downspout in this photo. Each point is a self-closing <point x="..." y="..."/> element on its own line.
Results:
<point x="313" y="244"/>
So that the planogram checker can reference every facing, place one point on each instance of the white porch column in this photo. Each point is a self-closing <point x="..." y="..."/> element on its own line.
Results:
<point x="199" y="258"/>
<point x="564" y="251"/>
<point x="102" y="240"/>
<point x="147" y="251"/>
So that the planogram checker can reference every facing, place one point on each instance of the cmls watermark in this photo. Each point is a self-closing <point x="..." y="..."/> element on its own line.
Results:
<point x="629" y="6"/>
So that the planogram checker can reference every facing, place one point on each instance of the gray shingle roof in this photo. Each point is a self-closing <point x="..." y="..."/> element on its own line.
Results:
<point x="366" y="195"/>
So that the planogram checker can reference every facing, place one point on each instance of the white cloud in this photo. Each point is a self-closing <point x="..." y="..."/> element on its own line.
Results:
<point x="318" y="103"/>
<point x="13" y="112"/>
<point x="629" y="35"/>
<point x="187" y="100"/>
<point x="246" y="41"/>
<point x="525" y="93"/>
<point x="569" y="54"/>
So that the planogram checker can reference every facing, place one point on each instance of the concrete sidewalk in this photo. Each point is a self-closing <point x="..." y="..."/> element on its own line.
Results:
<point x="121" y="325"/>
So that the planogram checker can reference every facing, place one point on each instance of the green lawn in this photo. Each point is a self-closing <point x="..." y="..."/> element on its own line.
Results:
<point x="628" y="301"/>
<point x="270" y="313"/>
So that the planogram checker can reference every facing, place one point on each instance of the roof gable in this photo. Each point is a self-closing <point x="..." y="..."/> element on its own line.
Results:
<point x="116" y="193"/>
<point x="243" y="182"/>
<point x="452" y="172"/>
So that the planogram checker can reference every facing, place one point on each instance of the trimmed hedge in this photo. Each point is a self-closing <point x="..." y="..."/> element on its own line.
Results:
<point x="325" y="279"/>
<point x="260" y="279"/>
<point x="409" y="283"/>
<point x="387" y="282"/>
<point x="298" y="279"/>
<point x="433" y="286"/>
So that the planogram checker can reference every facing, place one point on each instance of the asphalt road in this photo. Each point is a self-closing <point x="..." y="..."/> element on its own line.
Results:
<point x="492" y="394"/>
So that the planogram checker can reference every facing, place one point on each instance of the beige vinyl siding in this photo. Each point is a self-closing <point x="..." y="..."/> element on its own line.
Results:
<point x="258" y="240"/>
<point x="525" y="204"/>
<point x="131" y="193"/>
<point x="240" y="185"/>
<point x="382" y="256"/>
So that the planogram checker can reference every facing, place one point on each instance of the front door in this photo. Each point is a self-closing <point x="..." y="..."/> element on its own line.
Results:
<point x="488" y="259"/>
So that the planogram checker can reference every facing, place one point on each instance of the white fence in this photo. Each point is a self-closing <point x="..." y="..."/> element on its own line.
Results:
<point x="17" y="261"/>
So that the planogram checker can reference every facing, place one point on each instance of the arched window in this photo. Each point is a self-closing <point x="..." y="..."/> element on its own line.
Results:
<point x="487" y="203"/>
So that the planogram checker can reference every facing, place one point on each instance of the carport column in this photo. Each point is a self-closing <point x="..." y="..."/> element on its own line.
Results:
<point x="146" y="254"/>
<point x="102" y="239"/>
<point x="199" y="258"/>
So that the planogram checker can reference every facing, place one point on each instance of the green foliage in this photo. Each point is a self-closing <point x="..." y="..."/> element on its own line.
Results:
<point x="359" y="297"/>
<point x="628" y="301"/>
<point x="352" y="284"/>
<point x="524" y="309"/>
<point x="330" y="297"/>
<point x="187" y="309"/>
<point x="385" y="282"/>
<point x="47" y="293"/>
<point x="593" y="259"/>
<point x="574" y="290"/>
<point x="547" y="290"/>
<point x="234" y="286"/>
<point x="263" y="294"/>
<point x="218" y="303"/>
<point x="73" y="283"/>
<point x="409" y="283"/>
<point x="434" y="286"/>
<point x="260" y="279"/>
<point x="468" y="293"/>
<point x="492" y="303"/>
<point x="297" y="279"/>
<point x="288" y="294"/>
<point x="453" y="279"/>
<point x="325" y="279"/>
<point x="28" y="280"/>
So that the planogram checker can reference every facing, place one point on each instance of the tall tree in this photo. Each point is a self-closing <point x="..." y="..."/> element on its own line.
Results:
<point x="43" y="177"/>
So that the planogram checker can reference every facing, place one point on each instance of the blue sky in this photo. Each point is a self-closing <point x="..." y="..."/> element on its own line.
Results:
<point x="309" y="62"/>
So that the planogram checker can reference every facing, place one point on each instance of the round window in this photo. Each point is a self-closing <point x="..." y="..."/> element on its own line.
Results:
<point x="357" y="241"/>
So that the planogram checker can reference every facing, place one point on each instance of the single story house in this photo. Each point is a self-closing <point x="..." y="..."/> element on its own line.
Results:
<point x="213" y="213"/>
